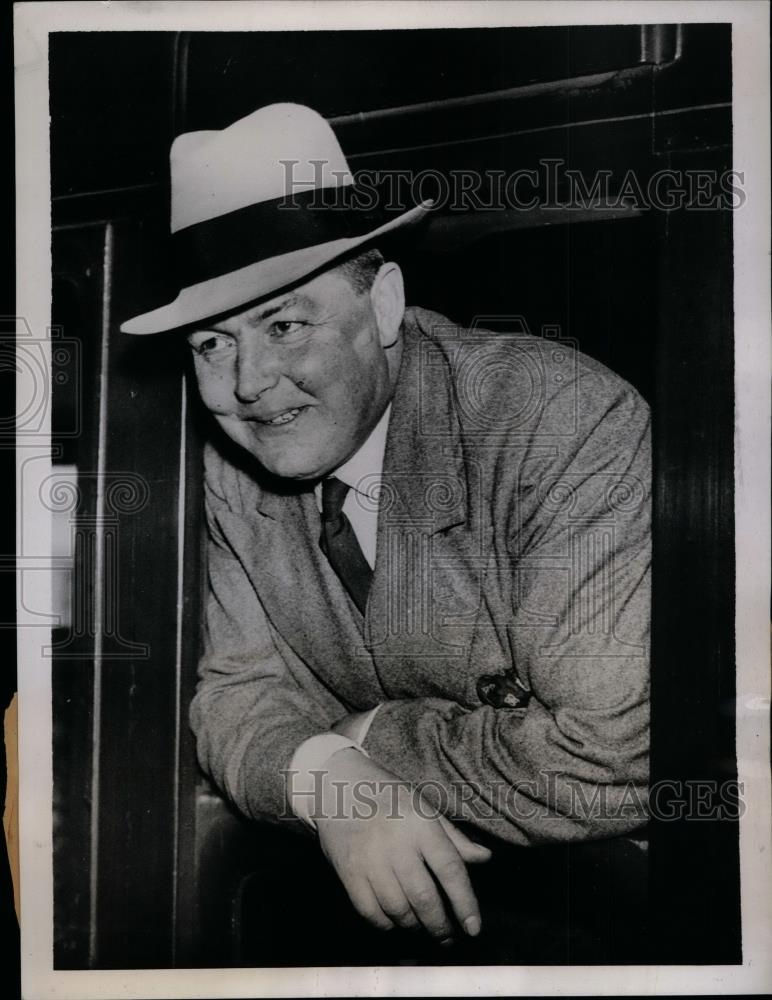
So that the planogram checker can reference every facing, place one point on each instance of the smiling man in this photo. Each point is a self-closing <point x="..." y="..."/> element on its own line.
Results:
<point x="427" y="627"/>
<point x="303" y="379"/>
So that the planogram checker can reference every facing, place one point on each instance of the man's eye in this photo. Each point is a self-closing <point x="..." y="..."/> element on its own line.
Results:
<point x="211" y="346"/>
<point x="284" y="326"/>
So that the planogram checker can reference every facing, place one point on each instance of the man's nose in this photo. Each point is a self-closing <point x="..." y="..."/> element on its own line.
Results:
<point x="258" y="370"/>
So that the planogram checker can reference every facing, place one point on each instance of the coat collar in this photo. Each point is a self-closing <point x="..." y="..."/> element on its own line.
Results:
<point x="424" y="480"/>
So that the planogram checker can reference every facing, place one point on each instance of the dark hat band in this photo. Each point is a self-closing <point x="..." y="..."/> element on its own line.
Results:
<point x="257" y="232"/>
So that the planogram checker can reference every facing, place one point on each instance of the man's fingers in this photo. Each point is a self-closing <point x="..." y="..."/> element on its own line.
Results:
<point x="471" y="852"/>
<point x="451" y="873"/>
<point x="366" y="904"/>
<point x="392" y="899"/>
<point x="426" y="902"/>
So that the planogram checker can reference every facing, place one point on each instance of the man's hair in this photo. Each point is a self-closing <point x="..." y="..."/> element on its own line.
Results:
<point x="361" y="269"/>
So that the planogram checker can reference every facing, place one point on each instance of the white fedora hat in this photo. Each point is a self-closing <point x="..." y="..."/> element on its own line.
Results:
<point x="258" y="206"/>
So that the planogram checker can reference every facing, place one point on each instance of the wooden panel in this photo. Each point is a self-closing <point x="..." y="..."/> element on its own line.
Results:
<point x="138" y="678"/>
<point x="124" y="760"/>
<point x="191" y="945"/>
<point x="231" y="73"/>
<point x="110" y="100"/>
<point x="694" y="861"/>
<point x="77" y="308"/>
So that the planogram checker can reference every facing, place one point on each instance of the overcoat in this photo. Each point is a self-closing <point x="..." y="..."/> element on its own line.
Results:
<point x="506" y="635"/>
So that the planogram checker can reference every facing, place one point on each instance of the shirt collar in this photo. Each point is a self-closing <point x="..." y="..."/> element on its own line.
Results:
<point x="362" y="472"/>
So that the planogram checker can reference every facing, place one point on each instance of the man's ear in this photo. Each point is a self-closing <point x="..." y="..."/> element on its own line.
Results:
<point x="387" y="295"/>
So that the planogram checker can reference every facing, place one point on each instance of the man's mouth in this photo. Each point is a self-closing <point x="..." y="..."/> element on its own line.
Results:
<point x="285" y="417"/>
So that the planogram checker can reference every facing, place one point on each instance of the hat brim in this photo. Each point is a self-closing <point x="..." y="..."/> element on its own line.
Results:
<point x="256" y="281"/>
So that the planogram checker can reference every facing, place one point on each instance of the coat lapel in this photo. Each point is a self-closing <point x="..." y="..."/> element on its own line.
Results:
<point x="277" y="542"/>
<point x="432" y="541"/>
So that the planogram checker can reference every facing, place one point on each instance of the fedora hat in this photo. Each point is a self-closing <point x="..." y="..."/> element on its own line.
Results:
<point x="258" y="206"/>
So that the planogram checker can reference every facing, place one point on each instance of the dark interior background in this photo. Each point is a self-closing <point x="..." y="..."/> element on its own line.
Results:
<point x="150" y="865"/>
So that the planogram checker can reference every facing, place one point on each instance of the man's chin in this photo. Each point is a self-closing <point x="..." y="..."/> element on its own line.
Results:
<point x="292" y="462"/>
<point x="288" y="470"/>
<point x="285" y="466"/>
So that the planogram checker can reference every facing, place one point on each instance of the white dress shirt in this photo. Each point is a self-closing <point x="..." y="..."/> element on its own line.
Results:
<point x="362" y="473"/>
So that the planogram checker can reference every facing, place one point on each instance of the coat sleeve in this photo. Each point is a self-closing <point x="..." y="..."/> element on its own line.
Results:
<point x="573" y="763"/>
<point x="254" y="704"/>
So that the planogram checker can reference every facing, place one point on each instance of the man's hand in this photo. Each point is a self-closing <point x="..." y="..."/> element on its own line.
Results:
<point x="388" y="850"/>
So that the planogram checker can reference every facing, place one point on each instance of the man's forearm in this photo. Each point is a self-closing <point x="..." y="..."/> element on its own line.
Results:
<point x="527" y="778"/>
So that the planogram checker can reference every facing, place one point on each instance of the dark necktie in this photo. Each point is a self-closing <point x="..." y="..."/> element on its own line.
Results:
<point x="340" y="545"/>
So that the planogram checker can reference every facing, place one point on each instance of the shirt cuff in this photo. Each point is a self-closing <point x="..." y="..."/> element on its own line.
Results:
<point x="310" y="758"/>
<point x="365" y="724"/>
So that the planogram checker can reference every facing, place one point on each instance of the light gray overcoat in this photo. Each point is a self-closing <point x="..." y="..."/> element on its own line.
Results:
<point x="513" y="536"/>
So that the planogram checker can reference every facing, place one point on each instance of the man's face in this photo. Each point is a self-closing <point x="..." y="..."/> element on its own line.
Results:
<point x="301" y="380"/>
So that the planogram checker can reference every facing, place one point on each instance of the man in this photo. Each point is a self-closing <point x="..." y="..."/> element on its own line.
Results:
<point x="428" y="614"/>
